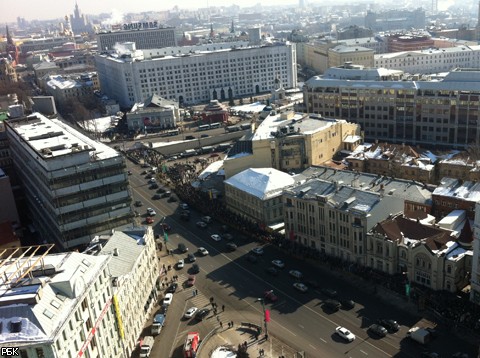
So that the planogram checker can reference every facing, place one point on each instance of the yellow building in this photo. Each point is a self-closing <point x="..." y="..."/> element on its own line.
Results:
<point x="357" y="55"/>
<point x="290" y="141"/>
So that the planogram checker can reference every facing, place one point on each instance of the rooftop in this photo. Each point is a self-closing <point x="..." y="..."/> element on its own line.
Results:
<point x="455" y="188"/>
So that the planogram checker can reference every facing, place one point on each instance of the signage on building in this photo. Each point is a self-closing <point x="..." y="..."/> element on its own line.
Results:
<point x="94" y="329"/>
<point x="141" y="25"/>
<point x="119" y="317"/>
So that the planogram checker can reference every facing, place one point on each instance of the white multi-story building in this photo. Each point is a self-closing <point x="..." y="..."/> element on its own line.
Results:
<point x="65" y="88"/>
<point x="134" y="271"/>
<point x="154" y="114"/>
<point x="432" y="60"/>
<point x="75" y="187"/>
<point x="58" y="305"/>
<point x="193" y="74"/>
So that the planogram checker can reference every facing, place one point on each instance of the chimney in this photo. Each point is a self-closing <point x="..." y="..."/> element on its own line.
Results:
<point x="115" y="252"/>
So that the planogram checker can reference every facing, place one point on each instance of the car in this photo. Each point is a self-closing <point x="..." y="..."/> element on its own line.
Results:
<point x="190" y="137"/>
<point x="301" y="287"/>
<point x="180" y="264"/>
<point x="191" y="280"/>
<point x="166" y="194"/>
<point x="191" y="258"/>
<point x="231" y="246"/>
<point x="172" y="158"/>
<point x="145" y="165"/>
<point x="182" y="248"/>
<point x="430" y="354"/>
<point x="270" y="296"/>
<point x="138" y="203"/>
<point x="272" y="271"/>
<point x="129" y="172"/>
<point x="204" y="312"/>
<point x="347" y="303"/>
<point x="151" y="212"/>
<point x="390" y="324"/>
<point x="202" y="251"/>
<point x="278" y="263"/>
<point x="257" y="251"/>
<point x="190" y="312"/>
<point x="251" y="259"/>
<point x="143" y="172"/>
<point x="329" y="292"/>
<point x="195" y="268"/>
<point x="171" y="199"/>
<point x="153" y="186"/>
<point x="227" y="237"/>
<point x="295" y="273"/>
<point x="460" y="355"/>
<point x="149" y="220"/>
<point x="161" y="190"/>
<point x="156" y="197"/>
<point x="167" y="300"/>
<point x="332" y="305"/>
<point x="149" y="176"/>
<point x="184" y="206"/>
<point x="207" y="219"/>
<point x="166" y="227"/>
<point x="152" y="180"/>
<point x="378" y="330"/>
<point x="201" y="224"/>
<point x="185" y="216"/>
<point x="204" y="136"/>
<point x="172" y="288"/>
<point x="345" y="334"/>
<point x="216" y="237"/>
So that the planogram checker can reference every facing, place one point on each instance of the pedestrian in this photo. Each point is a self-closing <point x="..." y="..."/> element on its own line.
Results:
<point x="223" y="308"/>
<point x="193" y="293"/>
<point x="221" y="324"/>
<point x="218" y="319"/>
<point x="232" y="323"/>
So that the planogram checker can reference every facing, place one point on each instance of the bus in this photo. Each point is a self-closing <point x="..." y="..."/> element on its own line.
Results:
<point x="207" y="149"/>
<point x="204" y="127"/>
<point x="189" y="153"/>
<point x="233" y="129"/>
<point x="191" y="345"/>
<point x="215" y="125"/>
<point x="171" y="132"/>
<point x="245" y="126"/>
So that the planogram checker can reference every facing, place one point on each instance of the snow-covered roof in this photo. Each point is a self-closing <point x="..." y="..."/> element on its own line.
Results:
<point x="451" y="187"/>
<point x="211" y="169"/>
<point x="264" y="183"/>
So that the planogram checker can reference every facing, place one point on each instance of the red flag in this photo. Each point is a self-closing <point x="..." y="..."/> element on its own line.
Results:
<point x="267" y="315"/>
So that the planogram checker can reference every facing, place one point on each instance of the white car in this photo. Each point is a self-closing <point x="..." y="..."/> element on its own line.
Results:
<point x="207" y="219"/>
<point x="201" y="224"/>
<point x="295" y="273"/>
<point x="180" y="264"/>
<point x="345" y="334"/>
<point x="216" y="237"/>
<point x="167" y="300"/>
<point x="184" y="206"/>
<point x="152" y="181"/>
<point x="151" y="212"/>
<point x="202" y="251"/>
<point x="257" y="251"/>
<point x="300" y="286"/>
<point x="191" y="312"/>
<point x="278" y="263"/>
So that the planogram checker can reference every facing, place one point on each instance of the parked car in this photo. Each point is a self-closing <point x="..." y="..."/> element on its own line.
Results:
<point x="390" y="324"/>
<point x="180" y="264"/>
<point x="182" y="248"/>
<point x="166" y="194"/>
<point x="430" y="354"/>
<point x="195" y="268"/>
<point x="347" y="303"/>
<point x="378" y="330"/>
<point x="332" y="305"/>
<point x="190" y="312"/>
<point x="172" y="199"/>
<point x="301" y="287"/>
<point x="257" y="251"/>
<point x="191" y="280"/>
<point x="149" y="220"/>
<point x="201" y="224"/>
<point x="191" y="258"/>
<point x="216" y="237"/>
<point x="184" y="206"/>
<point x="329" y="292"/>
<point x="156" y="197"/>
<point x="152" y="180"/>
<point x="185" y="216"/>
<point x="138" y="203"/>
<point x="153" y="186"/>
<point x="172" y="288"/>
<point x="227" y="237"/>
<point x="295" y="273"/>
<point x="345" y="334"/>
<point x="270" y="296"/>
<point x="204" y="312"/>
<point x="207" y="219"/>
<point x="278" y="263"/>
<point x="161" y="190"/>
<point x="202" y="251"/>
<point x="272" y="271"/>
<point x="231" y="246"/>
<point x="167" y="300"/>
<point x="189" y="137"/>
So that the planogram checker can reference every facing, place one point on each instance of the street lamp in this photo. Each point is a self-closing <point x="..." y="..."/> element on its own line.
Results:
<point x="262" y="301"/>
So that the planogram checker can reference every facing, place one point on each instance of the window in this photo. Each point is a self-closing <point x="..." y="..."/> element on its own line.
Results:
<point x="39" y="352"/>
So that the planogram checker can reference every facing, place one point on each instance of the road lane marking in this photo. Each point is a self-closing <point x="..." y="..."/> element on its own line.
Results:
<point x="324" y="341"/>
<point x="302" y="327"/>
<point x="313" y="346"/>
<point x="364" y="352"/>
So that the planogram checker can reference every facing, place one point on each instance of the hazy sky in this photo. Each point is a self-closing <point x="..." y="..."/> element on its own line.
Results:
<point x="52" y="9"/>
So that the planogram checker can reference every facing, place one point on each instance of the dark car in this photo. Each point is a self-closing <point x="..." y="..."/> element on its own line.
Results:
<point x="378" y="330"/>
<point x="252" y="259"/>
<point x="195" y="268"/>
<point x="172" y="288"/>
<point x="191" y="258"/>
<point x="154" y="186"/>
<point x="161" y="190"/>
<point x="189" y="137"/>
<point x="166" y="194"/>
<point x="347" y="304"/>
<point x="389" y="324"/>
<point x="156" y="197"/>
<point x="138" y="203"/>
<point x="182" y="248"/>
<point x="231" y="246"/>
<point x="202" y="314"/>
<point x="329" y="292"/>
<point x="332" y="305"/>
<point x="430" y="354"/>
<point x="172" y="199"/>
<point x="272" y="271"/>
<point x="185" y="216"/>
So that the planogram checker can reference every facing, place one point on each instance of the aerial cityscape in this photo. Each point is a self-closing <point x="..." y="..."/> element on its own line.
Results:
<point x="282" y="179"/>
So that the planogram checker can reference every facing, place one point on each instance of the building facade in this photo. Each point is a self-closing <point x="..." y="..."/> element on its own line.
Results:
<point x="63" y="310"/>
<point x="475" y="277"/>
<point x="145" y="37"/>
<point x="68" y="87"/>
<point x="153" y="115"/>
<point x="75" y="187"/>
<point x="8" y="74"/>
<point x="397" y="19"/>
<point x="391" y="107"/>
<point x="191" y="74"/>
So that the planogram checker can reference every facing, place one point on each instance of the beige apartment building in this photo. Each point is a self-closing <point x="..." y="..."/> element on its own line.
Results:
<point x="291" y="141"/>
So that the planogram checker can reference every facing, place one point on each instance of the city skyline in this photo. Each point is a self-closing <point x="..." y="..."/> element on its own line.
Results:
<point x="52" y="9"/>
